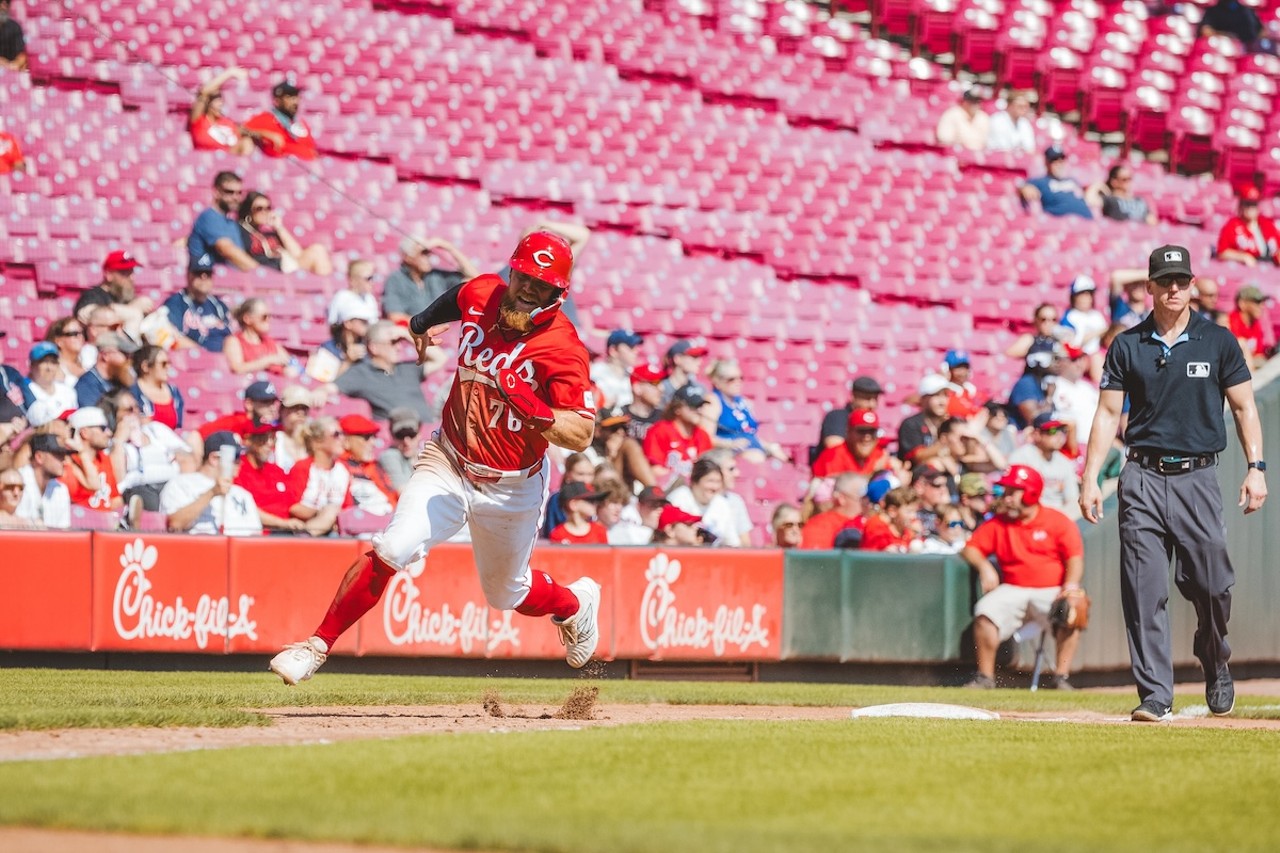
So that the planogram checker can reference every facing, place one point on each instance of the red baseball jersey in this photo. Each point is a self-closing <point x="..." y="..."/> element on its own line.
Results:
<point x="298" y="141"/>
<point x="477" y="420"/>
<point x="665" y="445"/>
<point x="208" y="134"/>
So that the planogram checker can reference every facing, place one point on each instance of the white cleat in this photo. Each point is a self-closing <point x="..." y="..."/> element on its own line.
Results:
<point x="580" y="633"/>
<point x="299" y="661"/>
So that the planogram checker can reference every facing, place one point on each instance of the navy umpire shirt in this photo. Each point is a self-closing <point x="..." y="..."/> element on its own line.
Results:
<point x="1175" y="393"/>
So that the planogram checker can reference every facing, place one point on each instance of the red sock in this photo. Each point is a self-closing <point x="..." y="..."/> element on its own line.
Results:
<point x="546" y="596"/>
<point x="359" y="591"/>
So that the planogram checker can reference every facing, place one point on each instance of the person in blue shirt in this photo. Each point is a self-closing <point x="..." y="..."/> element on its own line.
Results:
<point x="1031" y="395"/>
<point x="201" y="318"/>
<point x="1059" y="194"/>
<point x="730" y="420"/>
<point x="216" y="235"/>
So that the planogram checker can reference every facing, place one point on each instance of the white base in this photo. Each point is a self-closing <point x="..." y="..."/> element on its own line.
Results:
<point x="935" y="710"/>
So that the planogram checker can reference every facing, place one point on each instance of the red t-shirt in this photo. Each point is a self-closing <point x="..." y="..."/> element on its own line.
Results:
<point x="166" y="413"/>
<point x="839" y="460"/>
<point x="667" y="446"/>
<point x="1252" y="335"/>
<point x="300" y="143"/>
<point x="1031" y="553"/>
<point x="595" y="535"/>
<point x="1237" y="235"/>
<point x="820" y="531"/>
<point x="239" y="423"/>
<point x="269" y="486"/>
<point x="10" y="153"/>
<point x="104" y="496"/>
<point x="477" y="420"/>
<point x="208" y="134"/>
<point x="879" y="536"/>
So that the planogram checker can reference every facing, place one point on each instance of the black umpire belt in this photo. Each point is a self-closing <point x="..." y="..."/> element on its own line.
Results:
<point x="1171" y="463"/>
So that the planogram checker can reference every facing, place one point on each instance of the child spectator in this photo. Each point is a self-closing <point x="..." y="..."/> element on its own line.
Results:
<point x="677" y="527"/>
<point x="683" y="365"/>
<point x="578" y="501"/>
<point x="897" y="528"/>
<point x="674" y="442"/>
<point x="578" y="468"/>
<point x="951" y="535"/>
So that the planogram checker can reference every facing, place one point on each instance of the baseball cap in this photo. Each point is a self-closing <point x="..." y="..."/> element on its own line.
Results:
<point x="404" y="420"/>
<point x="120" y="261"/>
<point x="1082" y="284"/>
<point x="647" y="373"/>
<point x="973" y="484"/>
<point x="930" y="474"/>
<point x="261" y="392"/>
<point x="1249" y="194"/>
<point x="880" y="485"/>
<point x="686" y="347"/>
<point x="652" y="495"/>
<point x="1252" y="293"/>
<point x="1045" y="421"/>
<point x="351" y="309"/>
<point x="357" y="425"/>
<point x="864" y="419"/>
<point x="672" y="514"/>
<point x="43" y="350"/>
<point x="45" y="443"/>
<point x="691" y="394"/>
<point x="1053" y="153"/>
<point x="609" y="418"/>
<point x="624" y="336"/>
<point x="295" y="395"/>
<point x="866" y="386"/>
<point x="285" y="87"/>
<point x="957" y="358"/>
<point x="1072" y="352"/>
<point x="578" y="492"/>
<point x="932" y="384"/>
<point x="218" y="439"/>
<point x="116" y="341"/>
<point x="89" y="416"/>
<point x="200" y="265"/>
<point x="43" y="411"/>
<point x="1041" y="355"/>
<point x="1169" y="260"/>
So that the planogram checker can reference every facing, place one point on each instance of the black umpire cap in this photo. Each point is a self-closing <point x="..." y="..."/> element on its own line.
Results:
<point x="1169" y="261"/>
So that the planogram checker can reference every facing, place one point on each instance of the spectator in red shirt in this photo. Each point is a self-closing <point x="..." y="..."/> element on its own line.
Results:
<point x="848" y="496"/>
<point x="1249" y="237"/>
<point x="90" y="476"/>
<point x="673" y="443"/>
<point x="1248" y="323"/>
<point x="677" y="527"/>
<point x="323" y="482"/>
<point x="267" y="481"/>
<point x="261" y="405"/>
<point x="1041" y="557"/>
<point x="897" y="527"/>
<point x="962" y="396"/>
<point x="210" y="128"/>
<point x="579" y="502"/>
<point x="860" y="452"/>
<point x="370" y="488"/>
<point x="278" y="131"/>
<point x="252" y="348"/>
<point x="11" y="159"/>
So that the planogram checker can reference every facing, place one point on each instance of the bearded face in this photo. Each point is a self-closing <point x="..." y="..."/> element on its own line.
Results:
<point x="524" y="295"/>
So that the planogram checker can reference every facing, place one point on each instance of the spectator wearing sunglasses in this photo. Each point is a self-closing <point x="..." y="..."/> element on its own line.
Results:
<point x="210" y="128"/>
<point x="1061" y="485"/>
<point x="787" y="526"/>
<point x="201" y="318"/>
<point x="1031" y="395"/>
<point x="215" y="236"/>
<point x="12" y="490"/>
<point x="252" y="348"/>
<point x="117" y="289"/>
<point x="397" y="460"/>
<point x="951" y="535"/>
<point x="1118" y="200"/>
<point x="272" y="245"/>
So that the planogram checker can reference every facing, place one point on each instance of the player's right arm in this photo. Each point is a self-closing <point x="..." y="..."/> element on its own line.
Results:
<point x="429" y="324"/>
<point x="1103" y="432"/>
<point x="570" y="430"/>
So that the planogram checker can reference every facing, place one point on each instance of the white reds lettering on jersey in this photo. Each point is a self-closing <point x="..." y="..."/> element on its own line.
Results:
<point x="537" y="258"/>
<point x="477" y="420"/>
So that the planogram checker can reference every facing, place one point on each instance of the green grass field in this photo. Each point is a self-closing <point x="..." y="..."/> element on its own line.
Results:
<point x="889" y="784"/>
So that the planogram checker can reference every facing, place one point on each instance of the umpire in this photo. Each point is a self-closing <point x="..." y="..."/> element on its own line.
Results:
<point x="1176" y="367"/>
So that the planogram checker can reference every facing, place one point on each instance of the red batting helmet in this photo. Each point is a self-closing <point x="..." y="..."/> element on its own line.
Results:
<point x="545" y="256"/>
<point x="1027" y="479"/>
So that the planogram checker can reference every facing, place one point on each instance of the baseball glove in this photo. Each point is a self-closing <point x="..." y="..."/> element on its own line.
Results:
<point x="1070" y="610"/>
<point x="520" y="397"/>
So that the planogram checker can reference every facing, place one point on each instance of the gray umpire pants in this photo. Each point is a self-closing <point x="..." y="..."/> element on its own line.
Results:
<point x="1163" y="517"/>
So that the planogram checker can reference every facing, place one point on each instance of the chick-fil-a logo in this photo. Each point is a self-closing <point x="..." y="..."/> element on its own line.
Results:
<point x="138" y="615"/>
<point x="406" y="620"/>
<point x="664" y="626"/>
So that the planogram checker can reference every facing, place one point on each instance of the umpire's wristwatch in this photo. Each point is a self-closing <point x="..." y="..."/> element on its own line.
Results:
<point x="1260" y="465"/>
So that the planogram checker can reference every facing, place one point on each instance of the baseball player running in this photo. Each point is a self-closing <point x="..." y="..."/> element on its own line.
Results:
<point x="522" y="383"/>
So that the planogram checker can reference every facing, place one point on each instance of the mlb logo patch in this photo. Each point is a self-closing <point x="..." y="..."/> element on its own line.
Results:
<point x="1198" y="369"/>
<point x="1172" y="256"/>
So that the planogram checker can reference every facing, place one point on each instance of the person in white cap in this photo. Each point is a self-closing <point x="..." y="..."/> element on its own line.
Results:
<point x="418" y="283"/>
<point x="90" y="477"/>
<point x="359" y="292"/>
<point x="918" y="434"/>
<point x="348" y="336"/>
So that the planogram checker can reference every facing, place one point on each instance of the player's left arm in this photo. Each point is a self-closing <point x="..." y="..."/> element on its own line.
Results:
<point x="1253" y="491"/>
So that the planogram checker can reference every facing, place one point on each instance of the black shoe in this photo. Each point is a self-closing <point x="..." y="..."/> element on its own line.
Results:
<point x="1220" y="692"/>
<point x="980" y="682"/>
<point x="1151" y="711"/>
<point x="1059" y="682"/>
